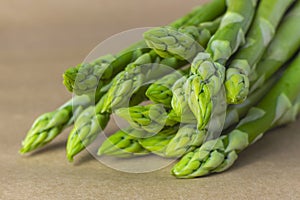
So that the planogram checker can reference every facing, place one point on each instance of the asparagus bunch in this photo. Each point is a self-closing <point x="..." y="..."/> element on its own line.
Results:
<point x="231" y="43"/>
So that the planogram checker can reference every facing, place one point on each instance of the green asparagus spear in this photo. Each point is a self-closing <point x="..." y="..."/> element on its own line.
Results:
<point x="206" y="12"/>
<point x="122" y="144"/>
<point x="284" y="45"/>
<point x="158" y="142"/>
<point x="219" y="154"/>
<point x="260" y="34"/>
<point x="183" y="43"/>
<point x="86" y="128"/>
<point x="160" y="91"/>
<point x="151" y="118"/>
<point x="47" y="126"/>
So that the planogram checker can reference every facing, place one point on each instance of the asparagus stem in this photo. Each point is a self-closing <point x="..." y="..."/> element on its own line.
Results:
<point x="183" y="43"/>
<point x="219" y="154"/>
<point x="47" y="126"/>
<point x="160" y="91"/>
<point x="283" y="46"/>
<point x="260" y="34"/>
<point x="157" y="143"/>
<point x="122" y="144"/>
<point x="151" y="118"/>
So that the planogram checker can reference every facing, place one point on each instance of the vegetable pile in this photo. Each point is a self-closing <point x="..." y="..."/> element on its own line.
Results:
<point x="245" y="51"/>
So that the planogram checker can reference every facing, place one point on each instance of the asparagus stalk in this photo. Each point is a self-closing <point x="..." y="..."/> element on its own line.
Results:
<point x="157" y="143"/>
<point x="283" y="46"/>
<point x="89" y="78"/>
<point x="183" y="43"/>
<point x="219" y="154"/>
<point x="260" y="34"/>
<point x="160" y="92"/>
<point x="123" y="144"/>
<point x="47" y="126"/>
<point x="150" y="118"/>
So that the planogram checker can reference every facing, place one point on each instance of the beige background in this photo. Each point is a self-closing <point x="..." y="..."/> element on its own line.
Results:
<point x="38" y="41"/>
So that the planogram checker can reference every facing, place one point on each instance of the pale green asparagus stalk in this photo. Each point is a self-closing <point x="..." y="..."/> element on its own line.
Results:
<point x="47" y="126"/>
<point x="219" y="154"/>
<point x="86" y="128"/>
<point x="151" y="118"/>
<point x="183" y="43"/>
<point x="267" y="18"/>
<point x="157" y="143"/>
<point x="123" y="144"/>
<point x="283" y="46"/>
<point x="160" y="92"/>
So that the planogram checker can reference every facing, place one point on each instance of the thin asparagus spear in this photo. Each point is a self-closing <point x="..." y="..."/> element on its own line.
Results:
<point x="219" y="154"/>
<point x="160" y="92"/>
<point x="260" y="34"/>
<point x="122" y="144"/>
<point x="47" y="126"/>
<point x="151" y="118"/>
<point x="284" y="45"/>
<point x="157" y="143"/>
<point x="183" y="43"/>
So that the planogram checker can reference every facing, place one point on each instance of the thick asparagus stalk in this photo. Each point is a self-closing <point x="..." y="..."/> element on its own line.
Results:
<point x="183" y="43"/>
<point x="260" y="34"/>
<point x="47" y="126"/>
<point x="219" y="154"/>
<point x="284" y="45"/>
